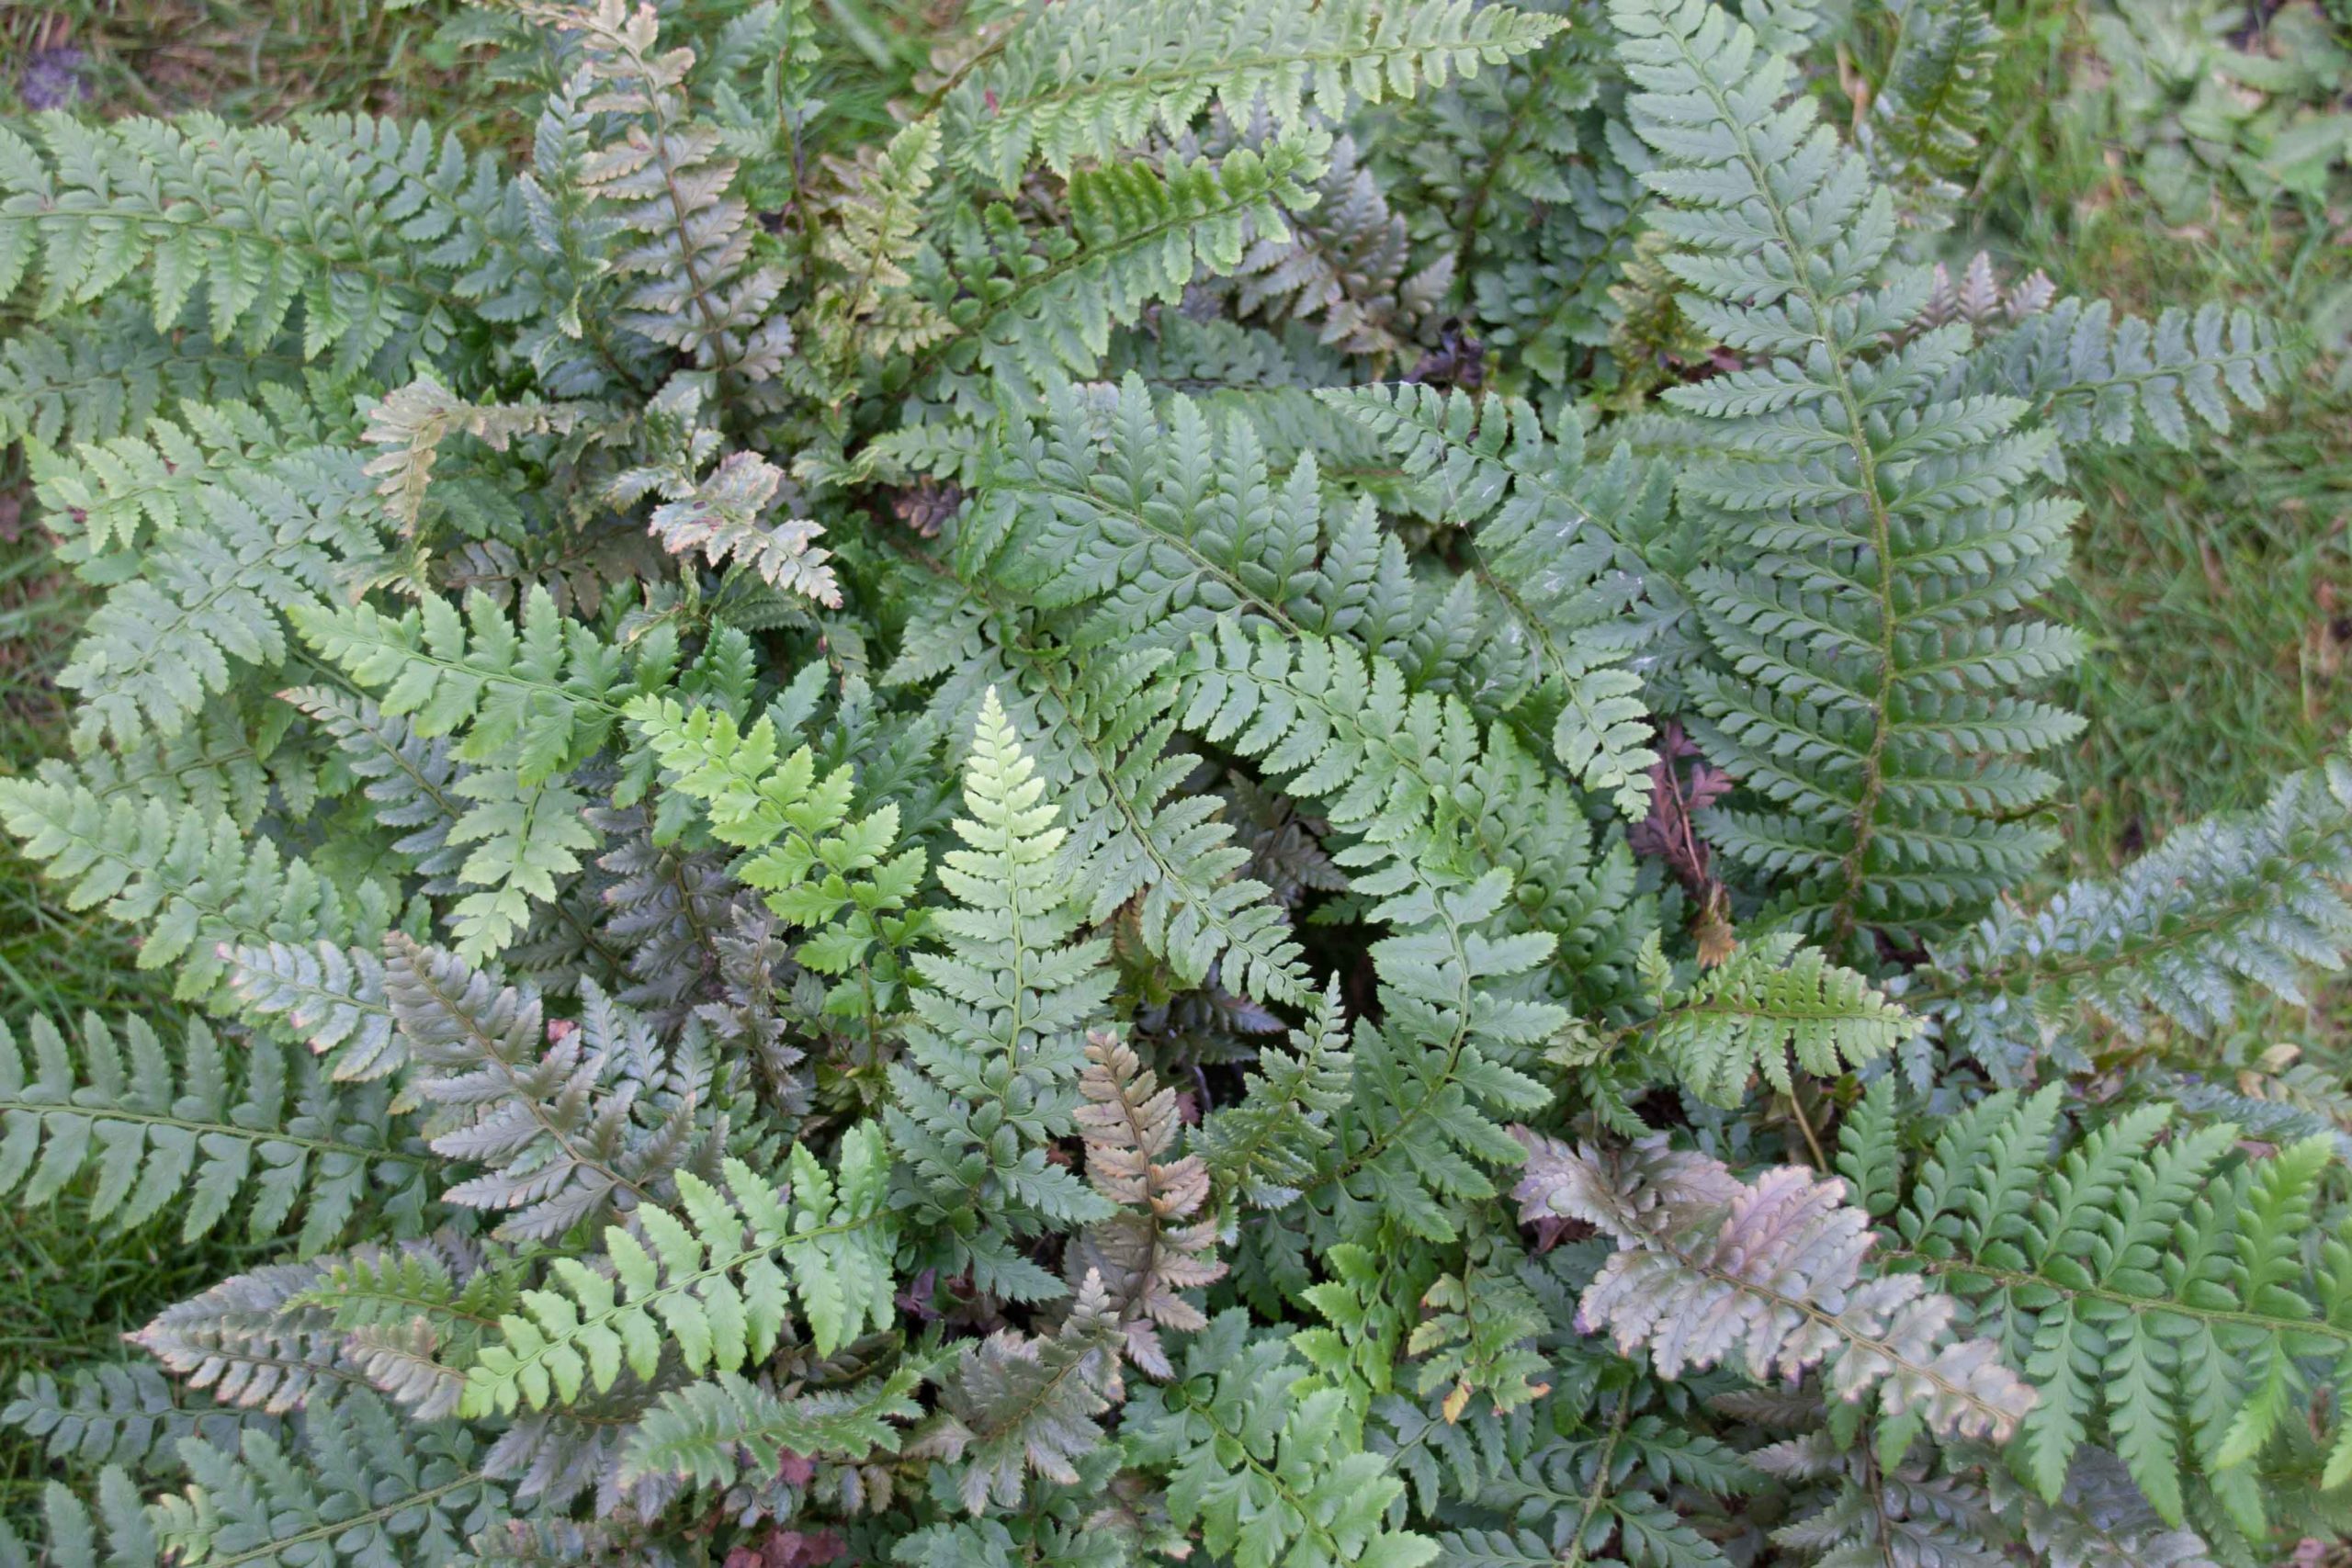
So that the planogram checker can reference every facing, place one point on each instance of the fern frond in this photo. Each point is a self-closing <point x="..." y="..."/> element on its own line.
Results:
<point x="125" y="1414"/>
<point x="254" y="220"/>
<point x="709" y="1433"/>
<point x="191" y="878"/>
<point x="1016" y="1405"/>
<point x="1026" y="308"/>
<point x="409" y="424"/>
<point x="829" y="1243"/>
<point x="1265" y="1145"/>
<point x="1001" y="1015"/>
<point x="1082" y="81"/>
<point x="212" y="596"/>
<point x="1708" y="1267"/>
<point x="1268" y="1480"/>
<point x="865" y="310"/>
<point x="1768" y="996"/>
<point x="555" y="1124"/>
<point x="2158" y="1292"/>
<point x="720" y="514"/>
<point x="1158" y="1246"/>
<point x="154" y="1137"/>
<point x="689" y="279"/>
<point x="1929" y="109"/>
<point x="2229" y="902"/>
<point x="2105" y="381"/>
<point x="357" y="1487"/>
<point x="1547" y="561"/>
<point x="1865" y="697"/>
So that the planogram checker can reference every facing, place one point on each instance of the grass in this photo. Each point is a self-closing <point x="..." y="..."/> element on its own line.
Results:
<point x="2216" y="589"/>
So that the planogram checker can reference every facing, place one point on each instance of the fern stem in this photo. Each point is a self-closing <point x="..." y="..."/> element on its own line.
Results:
<point x="1599" y="1489"/>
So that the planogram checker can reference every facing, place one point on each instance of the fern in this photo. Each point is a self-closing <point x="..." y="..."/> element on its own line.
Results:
<point x="828" y="1244"/>
<point x="1767" y="998"/>
<point x="993" y="1058"/>
<point x="155" y="1136"/>
<point x="1709" y="1267"/>
<point x="191" y="876"/>
<point x="2161" y="1289"/>
<point x="1037" y="788"/>
<point x="697" y="1431"/>
<point x="1544" y="556"/>
<point x="1298" y="1487"/>
<point x="1148" y="1255"/>
<point x="1017" y="1405"/>
<point x="2224" y="901"/>
<point x="1079" y="83"/>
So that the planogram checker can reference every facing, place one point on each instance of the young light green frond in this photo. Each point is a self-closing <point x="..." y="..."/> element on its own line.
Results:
<point x="866" y="311"/>
<point x="1105" y="724"/>
<point x="845" y="880"/>
<point x="1770" y="997"/>
<point x="1709" y="1268"/>
<point x="194" y="1139"/>
<point x="716" y="1282"/>
<point x="1081" y="81"/>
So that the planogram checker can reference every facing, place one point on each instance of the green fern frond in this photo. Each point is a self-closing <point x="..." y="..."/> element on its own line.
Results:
<point x="1770" y="997"/>
<point x="2104" y="380"/>
<point x="1864" y="634"/>
<point x="709" y="1433"/>
<point x="154" y="1137"/>
<point x="2223" y="902"/>
<point x="993" y="1055"/>
<point x="210" y="597"/>
<point x="359" y="1486"/>
<point x="1082" y="81"/>
<point x="1268" y="1479"/>
<point x="193" y="879"/>
<point x="2157" y="1295"/>
<point x="717" y="1284"/>
<point x="1545" y="549"/>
